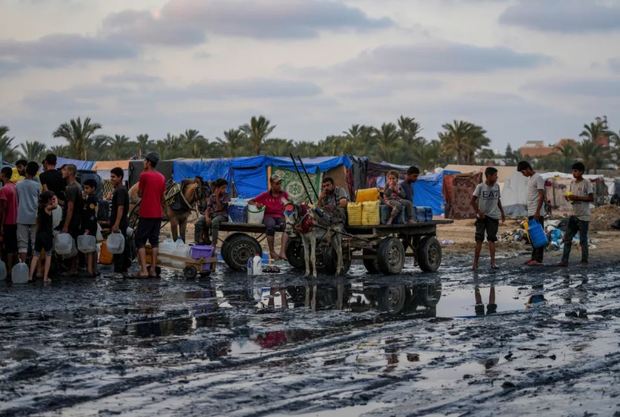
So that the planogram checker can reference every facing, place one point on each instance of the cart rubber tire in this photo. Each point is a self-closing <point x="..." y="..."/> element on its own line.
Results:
<point x="295" y="253"/>
<point x="391" y="256"/>
<point x="371" y="264"/>
<point x="190" y="272"/>
<point x="205" y="274"/>
<point x="240" y="248"/>
<point x="429" y="254"/>
<point x="326" y="260"/>
<point x="393" y="299"/>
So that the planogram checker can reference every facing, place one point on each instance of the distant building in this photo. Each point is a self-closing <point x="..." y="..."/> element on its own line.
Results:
<point x="535" y="149"/>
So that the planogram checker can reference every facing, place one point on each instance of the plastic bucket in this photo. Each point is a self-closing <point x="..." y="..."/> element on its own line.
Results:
<point x="198" y="252"/>
<point x="537" y="234"/>
<point x="255" y="214"/>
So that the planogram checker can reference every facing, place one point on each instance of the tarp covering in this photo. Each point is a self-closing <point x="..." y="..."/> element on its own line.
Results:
<point x="81" y="165"/>
<point x="503" y="172"/>
<point x="103" y="168"/>
<point x="514" y="195"/>
<point x="249" y="174"/>
<point x="458" y="203"/>
<point x="428" y="191"/>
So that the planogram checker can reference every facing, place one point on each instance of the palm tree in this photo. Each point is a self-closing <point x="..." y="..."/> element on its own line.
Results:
<point x="194" y="143"/>
<point x="233" y="142"/>
<point x="33" y="151"/>
<point x="566" y="153"/>
<point x="592" y="154"/>
<point x="409" y="130"/>
<point x="461" y="140"/>
<point x="119" y="146"/>
<point x="386" y="139"/>
<point x="278" y="147"/>
<point x="143" y="144"/>
<point x="78" y="135"/>
<point x="426" y="154"/>
<point x="257" y="131"/>
<point x="354" y="139"/>
<point x="58" y="150"/>
<point x="595" y="131"/>
<point x="7" y="149"/>
<point x="170" y="147"/>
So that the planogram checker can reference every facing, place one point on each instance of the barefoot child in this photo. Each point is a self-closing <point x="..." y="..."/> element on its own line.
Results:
<point x="89" y="220"/>
<point x="488" y="206"/>
<point x="44" y="238"/>
<point x="581" y="194"/>
<point x="394" y="196"/>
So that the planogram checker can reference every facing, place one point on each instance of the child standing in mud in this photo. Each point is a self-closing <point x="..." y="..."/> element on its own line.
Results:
<point x="488" y="206"/>
<point x="394" y="196"/>
<point x="44" y="237"/>
<point x="535" y="205"/>
<point x="580" y="194"/>
<point x="89" y="219"/>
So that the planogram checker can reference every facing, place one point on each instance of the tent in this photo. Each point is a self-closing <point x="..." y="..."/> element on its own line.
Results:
<point x="81" y="165"/>
<point x="136" y="167"/>
<point x="458" y="191"/>
<point x="103" y="168"/>
<point x="503" y="172"/>
<point x="428" y="191"/>
<point x="514" y="195"/>
<point x="249" y="175"/>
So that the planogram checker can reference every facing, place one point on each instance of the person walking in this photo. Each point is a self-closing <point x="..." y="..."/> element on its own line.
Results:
<point x="118" y="217"/>
<point x="151" y="190"/>
<point x="488" y="206"/>
<point x="535" y="205"/>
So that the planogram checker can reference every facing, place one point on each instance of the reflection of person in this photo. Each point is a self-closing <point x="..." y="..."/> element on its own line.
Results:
<point x="151" y="189"/>
<point x="581" y="194"/>
<point x="491" y="306"/>
<point x="535" y="204"/>
<point x="274" y="202"/>
<point x="488" y="206"/>
<point x="537" y="297"/>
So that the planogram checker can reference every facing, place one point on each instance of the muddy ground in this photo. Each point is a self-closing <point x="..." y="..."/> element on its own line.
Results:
<point x="519" y="341"/>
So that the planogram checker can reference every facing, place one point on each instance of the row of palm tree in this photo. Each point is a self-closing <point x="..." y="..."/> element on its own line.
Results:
<point x="399" y="142"/>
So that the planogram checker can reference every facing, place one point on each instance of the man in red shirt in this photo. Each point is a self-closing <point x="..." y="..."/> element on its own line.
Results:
<point x="151" y="189"/>
<point x="274" y="201"/>
<point x="8" y="216"/>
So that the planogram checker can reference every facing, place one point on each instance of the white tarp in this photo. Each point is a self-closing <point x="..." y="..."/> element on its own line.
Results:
<point x="514" y="195"/>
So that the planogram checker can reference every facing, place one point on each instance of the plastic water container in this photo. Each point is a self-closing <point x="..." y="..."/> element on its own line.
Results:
<point x="20" y="273"/>
<point x="423" y="214"/>
<point x="167" y="246"/>
<point x="366" y="194"/>
<point x="57" y="216"/>
<point x="537" y="234"/>
<point x="371" y="215"/>
<point x="116" y="243"/>
<point x="181" y="249"/>
<point x="2" y="270"/>
<point x="72" y="254"/>
<point x="255" y="265"/>
<point x="354" y="214"/>
<point x="255" y="214"/>
<point x="238" y="211"/>
<point x="198" y="252"/>
<point x="87" y="243"/>
<point x="64" y="244"/>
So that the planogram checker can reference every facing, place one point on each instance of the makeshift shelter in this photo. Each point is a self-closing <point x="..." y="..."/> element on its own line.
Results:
<point x="136" y="168"/>
<point x="514" y="195"/>
<point x="81" y="165"/>
<point x="503" y="172"/>
<point x="103" y="168"/>
<point x="458" y="189"/>
<point x="248" y="176"/>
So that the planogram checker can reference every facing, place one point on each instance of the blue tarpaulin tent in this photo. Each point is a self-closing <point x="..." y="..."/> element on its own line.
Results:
<point x="81" y="165"/>
<point x="249" y="174"/>
<point x="428" y="191"/>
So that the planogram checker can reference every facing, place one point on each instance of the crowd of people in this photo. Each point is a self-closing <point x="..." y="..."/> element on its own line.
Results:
<point x="34" y="204"/>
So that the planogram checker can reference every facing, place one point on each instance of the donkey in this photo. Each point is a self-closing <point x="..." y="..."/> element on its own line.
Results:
<point x="304" y="220"/>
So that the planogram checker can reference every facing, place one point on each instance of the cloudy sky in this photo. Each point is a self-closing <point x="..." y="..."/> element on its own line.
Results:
<point x="523" y="69"/>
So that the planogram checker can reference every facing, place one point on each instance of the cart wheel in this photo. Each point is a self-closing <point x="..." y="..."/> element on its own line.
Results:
<point x="371" y="264"/>
<point x="295" y="253"/>
<point x="391" y="256"/>
<point x="205" y="274"/>
<point x="429" y="254"/>
<point x="393" y="299"/>
<point x="326" y="260"/>
<point x="239" y="249"/>
<point x="190" y="272"/>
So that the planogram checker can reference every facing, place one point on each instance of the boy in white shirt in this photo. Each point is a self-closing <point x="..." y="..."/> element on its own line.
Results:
<point x="580" y="194"/>
<point x="535" y="205"/>
<point x="488" y="206"/>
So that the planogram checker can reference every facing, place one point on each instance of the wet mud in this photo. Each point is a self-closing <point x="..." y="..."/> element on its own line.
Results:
<point x="513" y="342"/>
